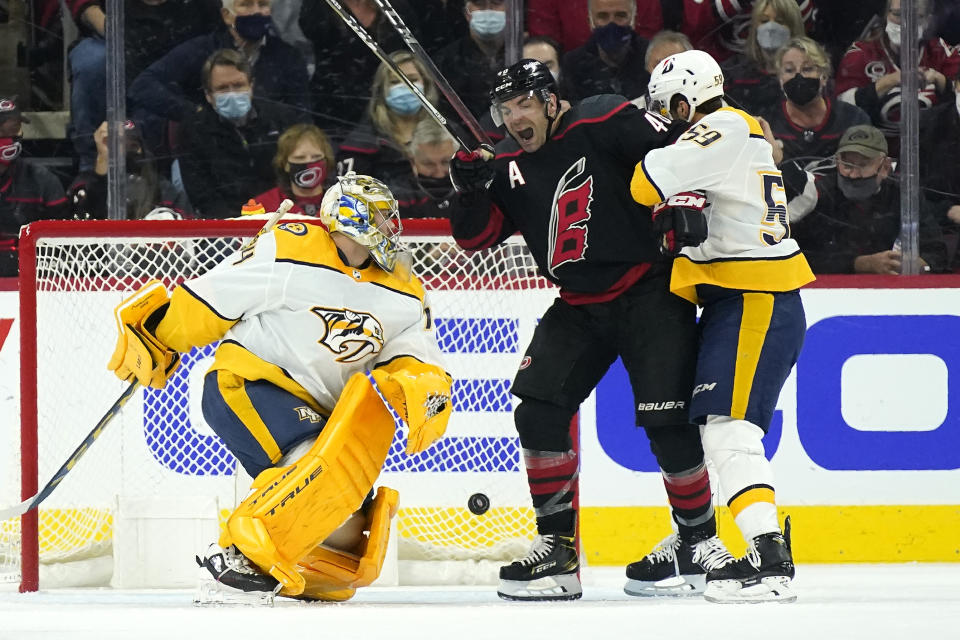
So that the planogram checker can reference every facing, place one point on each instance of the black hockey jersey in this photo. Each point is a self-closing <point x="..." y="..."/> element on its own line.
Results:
<point x="571" y="200"/>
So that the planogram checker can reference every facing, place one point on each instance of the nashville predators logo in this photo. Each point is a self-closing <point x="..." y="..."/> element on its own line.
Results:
<point x="352" y="335"/>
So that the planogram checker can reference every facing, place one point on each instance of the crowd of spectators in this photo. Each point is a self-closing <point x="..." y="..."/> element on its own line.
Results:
<point x="232" y="100"/>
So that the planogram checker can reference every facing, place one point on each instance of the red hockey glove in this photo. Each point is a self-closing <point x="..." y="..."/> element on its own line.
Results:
<point x="470" y="171"/>
<point x="680" y="221"/>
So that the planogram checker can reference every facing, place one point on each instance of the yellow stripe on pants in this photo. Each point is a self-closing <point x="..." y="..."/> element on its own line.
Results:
<point x="235" y="395"/>
<point x="757" y="311"/>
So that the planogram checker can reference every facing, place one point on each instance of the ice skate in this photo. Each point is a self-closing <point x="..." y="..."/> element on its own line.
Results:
<point x="548" y="572"/>
<point x="763" y="574"/>
<point x="676" y="568"/>
<point x="228" y="577"/>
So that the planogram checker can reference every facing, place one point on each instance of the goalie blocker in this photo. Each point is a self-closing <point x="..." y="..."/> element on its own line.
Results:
<point x="303" y="388"/>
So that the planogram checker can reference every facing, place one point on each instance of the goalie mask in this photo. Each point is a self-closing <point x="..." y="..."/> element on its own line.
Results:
<point x="693" y="75"/>
<point x="363" y="209"/>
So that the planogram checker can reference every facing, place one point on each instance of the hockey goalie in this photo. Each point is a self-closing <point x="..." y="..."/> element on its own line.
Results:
<point x="320" y="330"/>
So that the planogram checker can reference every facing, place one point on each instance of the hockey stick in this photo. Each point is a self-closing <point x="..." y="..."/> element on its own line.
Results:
<point x="31" y="503"/>
<point x="34" y="501"/>
<point x="385" y="58"/>
<point x="438" y="78"/>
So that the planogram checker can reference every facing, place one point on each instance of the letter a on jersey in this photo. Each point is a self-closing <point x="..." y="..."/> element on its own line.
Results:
<point x="515" y="176"/>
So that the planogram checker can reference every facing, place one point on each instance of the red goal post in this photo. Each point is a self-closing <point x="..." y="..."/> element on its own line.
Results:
<point x="72" y="274"/>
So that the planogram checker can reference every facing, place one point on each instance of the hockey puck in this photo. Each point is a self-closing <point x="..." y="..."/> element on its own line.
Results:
<point x="478" y="504"/>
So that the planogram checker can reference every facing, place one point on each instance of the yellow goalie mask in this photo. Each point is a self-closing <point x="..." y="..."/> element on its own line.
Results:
<point x="363" y="209"/>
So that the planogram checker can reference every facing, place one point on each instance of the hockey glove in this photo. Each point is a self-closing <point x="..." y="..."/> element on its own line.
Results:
<point x="420" y="394"/>
<point x="680" y="222"/>
<point x="139" y="354"/>
<point x="470" y="171"/>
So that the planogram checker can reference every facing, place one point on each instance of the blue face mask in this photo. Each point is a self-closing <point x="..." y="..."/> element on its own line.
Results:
<point x="401" y="100"/>
<point x="253" y="26"/>
<point x="613" y="38"/>
<point x="487" y="24"/>
<point x="232" y="105"/>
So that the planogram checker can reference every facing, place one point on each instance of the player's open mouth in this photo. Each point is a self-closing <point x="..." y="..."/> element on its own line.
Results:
<point x="525" y="134"/>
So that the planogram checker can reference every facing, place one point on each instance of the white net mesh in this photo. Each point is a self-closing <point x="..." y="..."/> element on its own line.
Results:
<point x="486" y="306"/>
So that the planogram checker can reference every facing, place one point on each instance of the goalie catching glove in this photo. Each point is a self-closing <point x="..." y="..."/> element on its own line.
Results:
<point x="680" y="222"/>
<point x="420" y="393"/>
<point x="139" y="354"/>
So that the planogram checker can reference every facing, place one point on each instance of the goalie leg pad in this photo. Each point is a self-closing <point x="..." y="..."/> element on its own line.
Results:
<point x="335" y="575"/>
<point x="291" y="509"/>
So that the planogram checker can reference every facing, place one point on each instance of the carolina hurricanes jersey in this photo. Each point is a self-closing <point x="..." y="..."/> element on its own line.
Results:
<point x="571" y="200"/>
<point x="867" y="61"/>
<point x="290" y="311"/>
<point x="748" y="245"/>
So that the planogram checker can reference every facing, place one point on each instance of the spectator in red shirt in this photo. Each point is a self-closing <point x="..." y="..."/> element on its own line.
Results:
<point x="304" y="164"/>
<point x="28" y="192"/>
<point x="869" y="74"/>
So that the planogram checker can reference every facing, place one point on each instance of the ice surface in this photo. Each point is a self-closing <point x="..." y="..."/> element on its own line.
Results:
<point x="852" y="601"/>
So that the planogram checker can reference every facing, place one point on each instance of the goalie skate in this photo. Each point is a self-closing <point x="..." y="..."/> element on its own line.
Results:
<point x="548" y="572"/>
<point x="228" y="577"/>
<point x="763" y="574"/>
<point x="676" y="568"/>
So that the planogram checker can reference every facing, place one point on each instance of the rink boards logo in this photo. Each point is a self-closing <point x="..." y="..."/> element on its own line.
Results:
<point x="350" y="335"/>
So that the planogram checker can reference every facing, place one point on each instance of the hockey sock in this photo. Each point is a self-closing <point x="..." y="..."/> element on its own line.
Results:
<point x="744" y="473"/>
<point x="690" y="499"/>
<point x="552" y="479"/>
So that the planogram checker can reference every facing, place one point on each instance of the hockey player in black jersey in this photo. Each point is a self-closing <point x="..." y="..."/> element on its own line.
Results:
<point x="561" y="178"/>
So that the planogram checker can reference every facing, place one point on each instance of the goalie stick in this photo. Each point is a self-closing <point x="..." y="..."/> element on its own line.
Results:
<point x="385" y="58"/>
<point x="34" y="501"/>
<point x="438" y="78"/>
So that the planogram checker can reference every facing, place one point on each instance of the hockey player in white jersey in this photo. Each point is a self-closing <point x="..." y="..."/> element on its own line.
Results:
<point x="304" y="315"/>
<point x="746" y="275"/>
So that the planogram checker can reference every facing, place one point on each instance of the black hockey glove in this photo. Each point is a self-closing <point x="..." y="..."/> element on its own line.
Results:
<point x="470" y="171"/>
<point x="680" y="221"/>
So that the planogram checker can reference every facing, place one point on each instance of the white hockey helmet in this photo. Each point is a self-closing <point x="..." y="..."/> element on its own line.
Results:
<point x="693" y="74"/>
<point x="351" y="207"/>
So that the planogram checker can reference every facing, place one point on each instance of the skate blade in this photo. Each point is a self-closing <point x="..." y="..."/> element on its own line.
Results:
<point x="772" y="589"/>
<point x="562" y="587"/>
<point x="672" y="587"/>
<point x="209" y="592"/>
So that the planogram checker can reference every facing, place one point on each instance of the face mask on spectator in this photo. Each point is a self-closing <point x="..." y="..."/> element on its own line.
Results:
<point x="233" y="105"/>
<point x="252" y="26"/>
<point x="772" y="35"/>
<point x="487" y="24"/>
<point x="958" y="101"/>
<point x="308" y="175"/>
<point x="893" y="32"/>
<point x="10" y="149"/>
<point x="613" y="38"/>
<point x="801" y="90"/>
<point x="401" y="100"/>
<point x="858" y="188"/>
<point x="437" y="188"/>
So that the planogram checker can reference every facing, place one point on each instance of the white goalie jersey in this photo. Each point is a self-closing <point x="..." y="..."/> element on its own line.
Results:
<point x="748" y="246"/>
<point x="289" y="311"/>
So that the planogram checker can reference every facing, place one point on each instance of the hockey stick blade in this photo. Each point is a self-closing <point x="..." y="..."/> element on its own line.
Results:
<point x="438" y="78"/>
<point x="385" y="58"/>
<point x="31" y="503"/>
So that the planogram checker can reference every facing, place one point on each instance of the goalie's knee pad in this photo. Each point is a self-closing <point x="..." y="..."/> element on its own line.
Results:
<point x="335" y="574"/>
<point x="292" y="508"/>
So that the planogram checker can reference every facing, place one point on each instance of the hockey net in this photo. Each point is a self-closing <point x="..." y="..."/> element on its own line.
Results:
<point x="73" y="274"/>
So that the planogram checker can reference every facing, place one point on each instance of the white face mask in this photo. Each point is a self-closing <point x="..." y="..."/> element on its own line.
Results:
<point x="893" y="32"/>
<point x="958" y="102"/>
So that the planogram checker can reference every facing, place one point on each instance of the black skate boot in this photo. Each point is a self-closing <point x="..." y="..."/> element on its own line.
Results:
<point x="548" y="572"/>
<point x="763" y="574"/>
<point x="228" y="576"/>
<point x="676" y="567"/>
